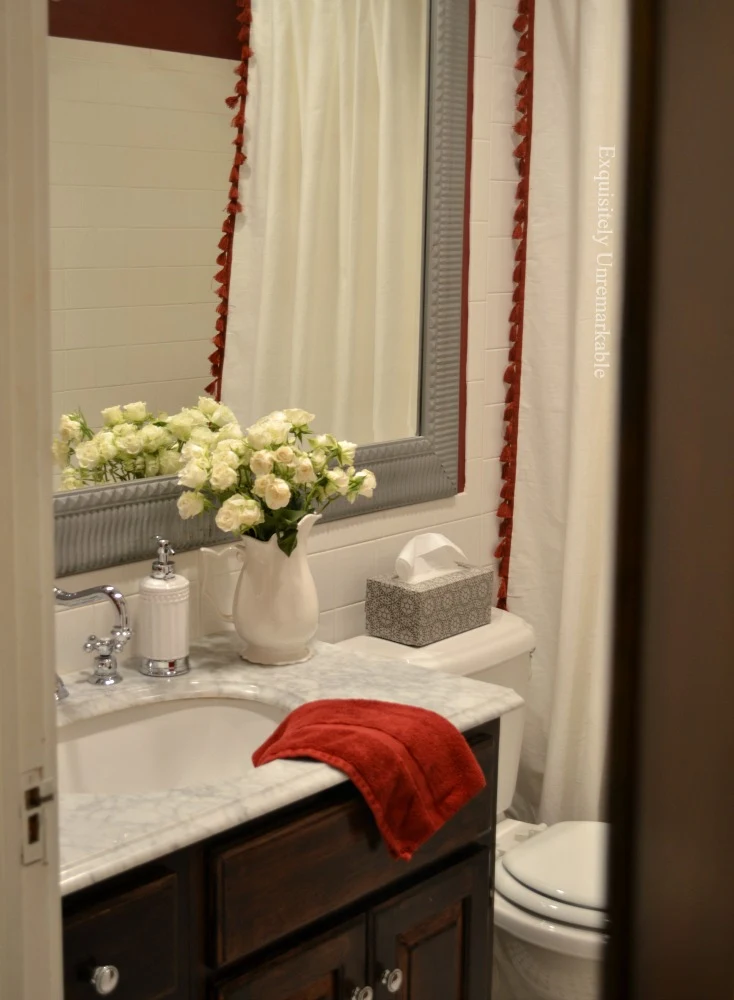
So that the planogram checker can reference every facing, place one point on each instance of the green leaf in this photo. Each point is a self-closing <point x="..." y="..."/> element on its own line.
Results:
<point x="287" y="541"/>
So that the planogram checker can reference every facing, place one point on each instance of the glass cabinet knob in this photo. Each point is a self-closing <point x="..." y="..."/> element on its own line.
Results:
<point x="393" y="980"/>
<point x="362" y="993"/>
<point x="105" y="979"/>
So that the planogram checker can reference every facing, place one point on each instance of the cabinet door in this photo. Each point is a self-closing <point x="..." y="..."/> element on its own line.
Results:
<point x="434" y="942"/>
<point x="331" y="967"/>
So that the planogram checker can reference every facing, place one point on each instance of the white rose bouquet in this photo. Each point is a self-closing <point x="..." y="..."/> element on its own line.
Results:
<point x="265" y="479"/>
<point x="132" y="444"/>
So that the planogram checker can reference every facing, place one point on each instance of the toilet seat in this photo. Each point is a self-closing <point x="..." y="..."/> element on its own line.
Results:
<point x="558" y="875"/>
<point x="542" y="906"/>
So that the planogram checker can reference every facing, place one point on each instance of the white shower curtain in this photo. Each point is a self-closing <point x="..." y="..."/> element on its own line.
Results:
<point x="561" y="566"/>
<point x="325" y="291"/>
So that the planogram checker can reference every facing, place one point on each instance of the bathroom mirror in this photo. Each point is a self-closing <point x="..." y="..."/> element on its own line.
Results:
<point x="140" y="154"/>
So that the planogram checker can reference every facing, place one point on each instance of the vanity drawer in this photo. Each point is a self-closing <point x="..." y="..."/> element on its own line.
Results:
<point x="269" y="886"/>
<point x="137" y="933"/>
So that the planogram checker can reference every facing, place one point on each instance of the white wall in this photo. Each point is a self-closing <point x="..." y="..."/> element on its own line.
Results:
<point x="347" y="552"/>
<point x="140" y="156"/>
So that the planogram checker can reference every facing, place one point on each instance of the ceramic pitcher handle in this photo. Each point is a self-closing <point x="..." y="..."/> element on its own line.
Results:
<point x="208" y="556"/>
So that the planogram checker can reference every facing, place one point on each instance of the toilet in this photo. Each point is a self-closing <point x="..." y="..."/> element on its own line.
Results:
<point x="549" y="903"/>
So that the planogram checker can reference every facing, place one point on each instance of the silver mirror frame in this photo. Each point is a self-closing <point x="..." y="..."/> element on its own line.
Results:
<point x="110" y="525"/>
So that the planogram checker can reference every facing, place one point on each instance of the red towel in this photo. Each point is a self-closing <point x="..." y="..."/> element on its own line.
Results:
<point x="414" y="768"/>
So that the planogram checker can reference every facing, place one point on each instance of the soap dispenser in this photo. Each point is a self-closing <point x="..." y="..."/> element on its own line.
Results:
<point x="163" y="631"/>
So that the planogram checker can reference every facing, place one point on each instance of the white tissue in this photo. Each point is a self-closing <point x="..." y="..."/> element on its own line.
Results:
<point x="427" y="557"/>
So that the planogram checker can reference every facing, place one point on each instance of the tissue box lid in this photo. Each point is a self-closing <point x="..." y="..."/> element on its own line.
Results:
<point x="466" y="572"/>
<point x="416" y="614"/>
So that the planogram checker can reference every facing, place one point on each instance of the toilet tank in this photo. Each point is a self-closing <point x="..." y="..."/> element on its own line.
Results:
<point x="498" y="653"/>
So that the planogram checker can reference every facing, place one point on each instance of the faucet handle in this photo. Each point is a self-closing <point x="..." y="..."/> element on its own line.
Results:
<point x="105" y="661"/>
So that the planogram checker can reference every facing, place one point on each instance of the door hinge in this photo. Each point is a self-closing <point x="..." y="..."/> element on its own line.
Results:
<point x="35" y="792"/>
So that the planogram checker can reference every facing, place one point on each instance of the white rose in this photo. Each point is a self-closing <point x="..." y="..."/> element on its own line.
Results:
<point x="132" y="444"/>
<point x="278" y="430"/>
<point x="193" y="452"/>
<point x="153" y="438"/>
<point x="304" y="472"/>
<point x="338" y="480"/>
<point x="277" y="493"/>
<point x="112" y="415"/>
<point x="190" y="504"/>
<point x="193" y="475"/>
<point x="222" y="415"/>
<point x="230" y="432"/>
<point x="87" y="455"/>
<point x="135" y="412"/>
<point x="107" y="444"/>
<point x="181" y="425"/>
<point x="224" y="455"/>
<point x="198" y="418"/>
<point x="346" y="451"/>
<point x="70" y="430"/>
<point x="368" y="482"/>
<point x="207" y="405"/>
<point x="202" y="436"/>
<point x="252" y="513"/>
<point x="285" y="454"/>
<point x="237" y="513"/>
<point x="299" y="418"/>
<point x="223" y="477"/>
<point x="323" y="441"/>
<point x="60" y="450"/>
<point x="71" y="479"/>
<point x="152" y="465"/>
<point x="261" y="463"/>
<point x="261" y="484"/>
<point x="258" y="436"/>
<point x="170" y="462"/>
<point x="318" y="459"/>
<point x="122" y="430"/>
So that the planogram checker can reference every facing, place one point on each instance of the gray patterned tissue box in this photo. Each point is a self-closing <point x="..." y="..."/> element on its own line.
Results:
<point x="416" y="614"/>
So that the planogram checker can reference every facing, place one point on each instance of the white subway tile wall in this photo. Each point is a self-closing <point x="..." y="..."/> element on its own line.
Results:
<point x="345" y="553"/>
<point x="140" y="152"/>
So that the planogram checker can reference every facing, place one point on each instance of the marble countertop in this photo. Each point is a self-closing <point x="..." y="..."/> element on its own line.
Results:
<point x="102" y="835"/>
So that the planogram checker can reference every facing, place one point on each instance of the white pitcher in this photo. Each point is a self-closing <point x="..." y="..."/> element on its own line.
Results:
<point x="276" y="608"/>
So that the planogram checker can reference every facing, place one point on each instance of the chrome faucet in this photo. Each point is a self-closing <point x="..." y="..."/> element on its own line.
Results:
<point x="105" y="661"/>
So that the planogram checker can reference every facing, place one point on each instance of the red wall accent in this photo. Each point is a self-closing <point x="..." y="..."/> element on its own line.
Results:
<point x="201" y="27"/>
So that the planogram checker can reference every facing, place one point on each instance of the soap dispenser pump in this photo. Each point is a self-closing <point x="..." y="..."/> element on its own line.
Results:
<point x="163" y="632"/>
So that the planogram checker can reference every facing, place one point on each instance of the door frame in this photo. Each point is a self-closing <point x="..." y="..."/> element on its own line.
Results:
<point x="671" y="801"/>
<point x="30" y="910"/>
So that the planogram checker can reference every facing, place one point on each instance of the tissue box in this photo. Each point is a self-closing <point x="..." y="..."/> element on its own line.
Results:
<point x="416" y="614"/>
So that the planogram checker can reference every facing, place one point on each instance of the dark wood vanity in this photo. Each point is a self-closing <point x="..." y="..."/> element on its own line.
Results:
<point x="305" y="904"/>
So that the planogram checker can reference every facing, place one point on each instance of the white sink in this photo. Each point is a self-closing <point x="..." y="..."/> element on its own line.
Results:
<point x="173" y="744"/>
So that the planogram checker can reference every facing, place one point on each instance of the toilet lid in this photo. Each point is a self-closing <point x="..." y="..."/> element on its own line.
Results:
<point x="564" y="865"/>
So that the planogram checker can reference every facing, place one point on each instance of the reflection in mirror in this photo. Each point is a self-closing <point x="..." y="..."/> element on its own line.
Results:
<point x="326" y="273"/>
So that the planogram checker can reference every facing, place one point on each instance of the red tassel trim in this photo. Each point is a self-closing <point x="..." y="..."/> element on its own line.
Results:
<point x="234" y="205"/>
<point x="524" y="24"/>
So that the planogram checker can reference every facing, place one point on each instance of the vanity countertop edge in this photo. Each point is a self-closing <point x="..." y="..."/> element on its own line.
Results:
<point x="105" y="835"/>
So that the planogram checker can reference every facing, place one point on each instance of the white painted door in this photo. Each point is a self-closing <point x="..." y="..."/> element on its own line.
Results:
<point x="30" y="922"/>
